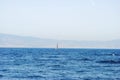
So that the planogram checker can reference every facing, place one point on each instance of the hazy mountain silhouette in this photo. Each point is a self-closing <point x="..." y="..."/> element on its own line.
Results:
<point x="7" y="40"/>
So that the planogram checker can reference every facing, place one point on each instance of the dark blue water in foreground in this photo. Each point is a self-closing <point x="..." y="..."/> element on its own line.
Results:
<point x="61" y="64"/>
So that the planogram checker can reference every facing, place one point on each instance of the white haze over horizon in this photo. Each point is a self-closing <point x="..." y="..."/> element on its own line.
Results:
<point x="61" y="19"/>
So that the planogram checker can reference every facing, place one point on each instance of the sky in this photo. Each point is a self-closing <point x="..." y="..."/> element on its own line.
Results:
<point x="61" y="19"/>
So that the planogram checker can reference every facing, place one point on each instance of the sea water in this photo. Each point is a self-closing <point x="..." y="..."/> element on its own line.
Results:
<point x="59" y="64"/>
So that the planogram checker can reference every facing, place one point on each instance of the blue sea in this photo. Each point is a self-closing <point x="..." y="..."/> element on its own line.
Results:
<point x="59" y="64"/>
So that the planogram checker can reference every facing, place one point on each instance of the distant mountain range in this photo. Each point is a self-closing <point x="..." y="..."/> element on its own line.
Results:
<point x="7" y="40"/>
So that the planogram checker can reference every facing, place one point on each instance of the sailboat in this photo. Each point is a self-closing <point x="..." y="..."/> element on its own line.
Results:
<point x="57" y="46"/>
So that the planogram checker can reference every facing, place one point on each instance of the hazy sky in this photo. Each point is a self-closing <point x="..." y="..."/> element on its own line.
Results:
<point x="61" y="19"/>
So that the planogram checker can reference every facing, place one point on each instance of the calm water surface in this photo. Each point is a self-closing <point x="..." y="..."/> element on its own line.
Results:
<point x="61" y="64"/>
